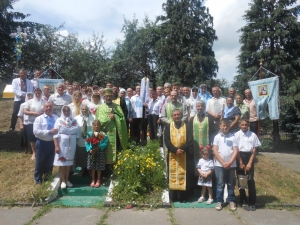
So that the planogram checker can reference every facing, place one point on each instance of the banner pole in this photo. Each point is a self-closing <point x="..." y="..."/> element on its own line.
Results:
<point x="260" y="77"/>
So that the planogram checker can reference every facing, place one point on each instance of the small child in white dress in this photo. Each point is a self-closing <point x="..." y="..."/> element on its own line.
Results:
<point x="205" y="167"/>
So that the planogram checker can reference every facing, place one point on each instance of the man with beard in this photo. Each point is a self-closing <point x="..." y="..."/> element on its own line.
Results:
<point x="199" y="125"/>
<point x="167" y="109"/>
<point x="113" y="123"/>
<point x="180" y="159"/>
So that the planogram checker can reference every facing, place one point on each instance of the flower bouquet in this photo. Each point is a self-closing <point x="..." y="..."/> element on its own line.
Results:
<point x="94" y="141"/>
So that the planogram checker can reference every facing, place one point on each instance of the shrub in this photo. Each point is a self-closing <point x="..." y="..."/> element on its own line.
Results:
<point x="138" y="172"/>
<point x="266" y="145"/>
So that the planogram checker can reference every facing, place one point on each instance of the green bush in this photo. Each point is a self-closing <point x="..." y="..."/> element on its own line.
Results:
<point x="266" y="145"/>
<point x="138" y="173"/>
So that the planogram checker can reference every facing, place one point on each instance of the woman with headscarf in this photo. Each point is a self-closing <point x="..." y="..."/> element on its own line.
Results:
<point x="95" y="102"/>
<point x="76" y="103"/>
<point x="84" y="121"/>
<point x="233" y="113"/>
<point x="23" y="122"/>
<point x="204" y="95"/>
<point x="65" y="144"/>
<point x="33" y="109"/>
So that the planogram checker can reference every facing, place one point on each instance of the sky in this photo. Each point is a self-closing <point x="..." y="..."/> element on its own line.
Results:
<point x="86" y="17"/>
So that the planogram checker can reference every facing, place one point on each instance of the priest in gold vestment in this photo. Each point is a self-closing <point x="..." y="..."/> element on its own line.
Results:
<point x="180" y="160"/>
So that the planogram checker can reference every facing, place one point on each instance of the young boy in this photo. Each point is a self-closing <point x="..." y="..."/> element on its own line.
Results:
<point x="225" y="150"/>
<point x="247" y="143"/>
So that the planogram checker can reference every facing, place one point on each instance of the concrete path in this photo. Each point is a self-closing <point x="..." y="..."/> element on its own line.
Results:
<point x="291" y="161"/>
<point x="90" y="216"/>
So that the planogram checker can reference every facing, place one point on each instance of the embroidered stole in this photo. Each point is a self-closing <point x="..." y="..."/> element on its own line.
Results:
<point x="170" y="110"/>
<point x="117" y="101"/>
<point x="177" y="163"/>
<point x="201" y="137"/>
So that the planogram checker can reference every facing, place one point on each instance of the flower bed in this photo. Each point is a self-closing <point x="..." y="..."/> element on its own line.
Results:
<point x="139" y="175"/>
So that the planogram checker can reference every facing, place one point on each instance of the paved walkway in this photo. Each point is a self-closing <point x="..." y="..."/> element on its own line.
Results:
<point x="90" y="216"/>
<point x="291" y="161"/>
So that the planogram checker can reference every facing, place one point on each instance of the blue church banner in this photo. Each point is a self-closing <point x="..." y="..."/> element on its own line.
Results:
<point x="51" y="82"/>
<point x="266" y="92"/>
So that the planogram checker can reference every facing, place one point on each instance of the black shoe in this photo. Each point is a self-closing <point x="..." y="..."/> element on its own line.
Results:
<point x="246" y="207"/>
<point x="252" y="208"/>
<point x="11" y="129"/>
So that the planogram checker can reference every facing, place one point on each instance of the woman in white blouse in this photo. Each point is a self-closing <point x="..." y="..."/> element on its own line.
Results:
<point x="33" y="109"/>
<point x="84" y="121"/>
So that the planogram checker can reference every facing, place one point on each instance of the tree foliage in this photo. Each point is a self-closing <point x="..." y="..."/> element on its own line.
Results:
<point x="9" y="21"/>
<point x="135" y="58"/>
<point x="185" y="48"/>
<point x="272" y="33"/>
<point x="176" y="47"/>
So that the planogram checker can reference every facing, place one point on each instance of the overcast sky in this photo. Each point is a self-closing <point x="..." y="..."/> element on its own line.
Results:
<point x="106" y="17"/>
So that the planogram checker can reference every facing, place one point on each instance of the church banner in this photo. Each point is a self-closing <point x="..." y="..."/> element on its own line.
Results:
<point x="266" y="92"/>
<point x="50" y="82"/>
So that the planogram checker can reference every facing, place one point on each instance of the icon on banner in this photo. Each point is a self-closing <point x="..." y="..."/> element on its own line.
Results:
<point x="263" y="90"/>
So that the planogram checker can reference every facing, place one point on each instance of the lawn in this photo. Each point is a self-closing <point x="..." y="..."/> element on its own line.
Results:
<point x="275" y="183"/>
<point x="17" y="183"/>
<point x="6" y="109"/>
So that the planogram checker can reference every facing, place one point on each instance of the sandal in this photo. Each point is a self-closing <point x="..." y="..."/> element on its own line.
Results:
<point x="98" y="184"/>
<point x="209" y="201"/>
<point x="92" y="184"/>
<point x="201" y="199"/>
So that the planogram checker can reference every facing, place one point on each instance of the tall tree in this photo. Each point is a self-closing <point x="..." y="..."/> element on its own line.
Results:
<point x="134" y="57"/>
<point x="272" y="33"/>
<point x="185" y="49"/>
<point x="9" y="21"/>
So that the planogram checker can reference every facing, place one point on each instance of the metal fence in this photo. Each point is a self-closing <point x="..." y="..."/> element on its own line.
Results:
<point x="284" y="136"/>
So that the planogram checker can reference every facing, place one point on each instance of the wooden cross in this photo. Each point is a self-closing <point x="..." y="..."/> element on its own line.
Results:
<point x="261" y="61"/>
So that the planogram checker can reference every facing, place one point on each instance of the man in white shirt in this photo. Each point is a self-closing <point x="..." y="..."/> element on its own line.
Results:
<point x="129" y="93"/>
<point x="34" y="81"/>
<point x="21" y="86"/>
<point x="69" y="90"/>
<point x="137" y="114"/>
<point x="247" y="144"/>
<point x="159" y="91"/>
<point x="46" y="92"/>
<point x="59" y="99"/>
<point x="44" y="131"/>
<point x="214" y="108"/>
<point x="153" y="115"/>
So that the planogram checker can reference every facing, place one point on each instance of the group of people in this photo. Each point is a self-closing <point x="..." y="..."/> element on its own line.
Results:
<point x="68" y="131"/>
<point x="86" y="126"/>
